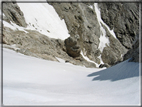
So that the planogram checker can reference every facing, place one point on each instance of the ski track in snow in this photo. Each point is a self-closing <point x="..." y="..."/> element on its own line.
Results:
<point x="32" y="81"/>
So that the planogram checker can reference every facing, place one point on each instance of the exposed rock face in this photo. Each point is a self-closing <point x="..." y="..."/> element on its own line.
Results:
<point x="124" y="19"/>
<point x="85" y="32"/>
<point x="133" y="53"/>
<point x="38" y="45"/>
<point x="82" y="24"/>
<point x="31" y="43"/>
<point x="13" y="13"/>
<point x="71" y="47"/>
<point x="114" y="52"/>
<point x="82" y="21"/>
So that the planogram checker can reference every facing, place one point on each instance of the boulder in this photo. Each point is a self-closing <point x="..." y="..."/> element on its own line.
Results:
<point x="72" y="47"/>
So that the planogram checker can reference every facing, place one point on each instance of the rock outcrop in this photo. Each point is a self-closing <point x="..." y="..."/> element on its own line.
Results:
<point x="123" y="18"/>
<point x="82" y="22"/>
<point x="13" y="13"/>
<point x="72" y="47"/>
<point x="85" y="34"/>
<point x="38" y="45"/>
<point x="134" y="52"/>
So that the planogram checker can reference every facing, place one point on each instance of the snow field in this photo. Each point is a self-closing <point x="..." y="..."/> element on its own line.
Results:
<point x="43" y="18"/>
<point x="32" y="81"/>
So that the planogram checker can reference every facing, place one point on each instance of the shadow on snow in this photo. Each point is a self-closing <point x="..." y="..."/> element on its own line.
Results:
<point x="120" y="71"/>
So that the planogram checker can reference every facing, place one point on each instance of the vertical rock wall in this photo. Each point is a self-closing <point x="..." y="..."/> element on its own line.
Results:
<point x="87" y="33"/>
<point x="82" y="23"/>
<point x="124" y="19"/>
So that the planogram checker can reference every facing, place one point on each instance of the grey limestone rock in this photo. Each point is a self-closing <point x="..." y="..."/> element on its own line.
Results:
<point x="13" y="13"/>
<point x="38" y="45"/>
<point x="84" y="30"/>
<point x="124" y="19"/>
<point x="72" y="47"/>
<point x="134" y="52"/>
<point x="81" y="20"/>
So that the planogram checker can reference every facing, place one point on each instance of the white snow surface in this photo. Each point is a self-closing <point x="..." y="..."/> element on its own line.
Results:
<point x="6" y="24"/>
<point x="91" y="7"/>
<point x="32" y="81"/>
<point x="97" y="10"/>
<point x="101" y="61"/>
<point x="103" y="39"/>
<point x="43" y="18"/>
<point x="13" y="26"/>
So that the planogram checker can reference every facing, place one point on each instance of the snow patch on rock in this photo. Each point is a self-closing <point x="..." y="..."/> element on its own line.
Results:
<point x="103" y="39"/>
<point x="86" y="58"/>
<point x="97" y="10"/>
<point x="101" y="61"/>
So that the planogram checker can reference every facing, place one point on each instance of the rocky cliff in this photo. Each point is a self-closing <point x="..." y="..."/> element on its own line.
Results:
<point x="124" y="19"/>
<point x="92" y="42"/>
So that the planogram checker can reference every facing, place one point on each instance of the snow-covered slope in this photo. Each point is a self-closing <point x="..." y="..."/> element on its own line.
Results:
<point x="43" y="18"/>
<point x="32" y="81"/>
